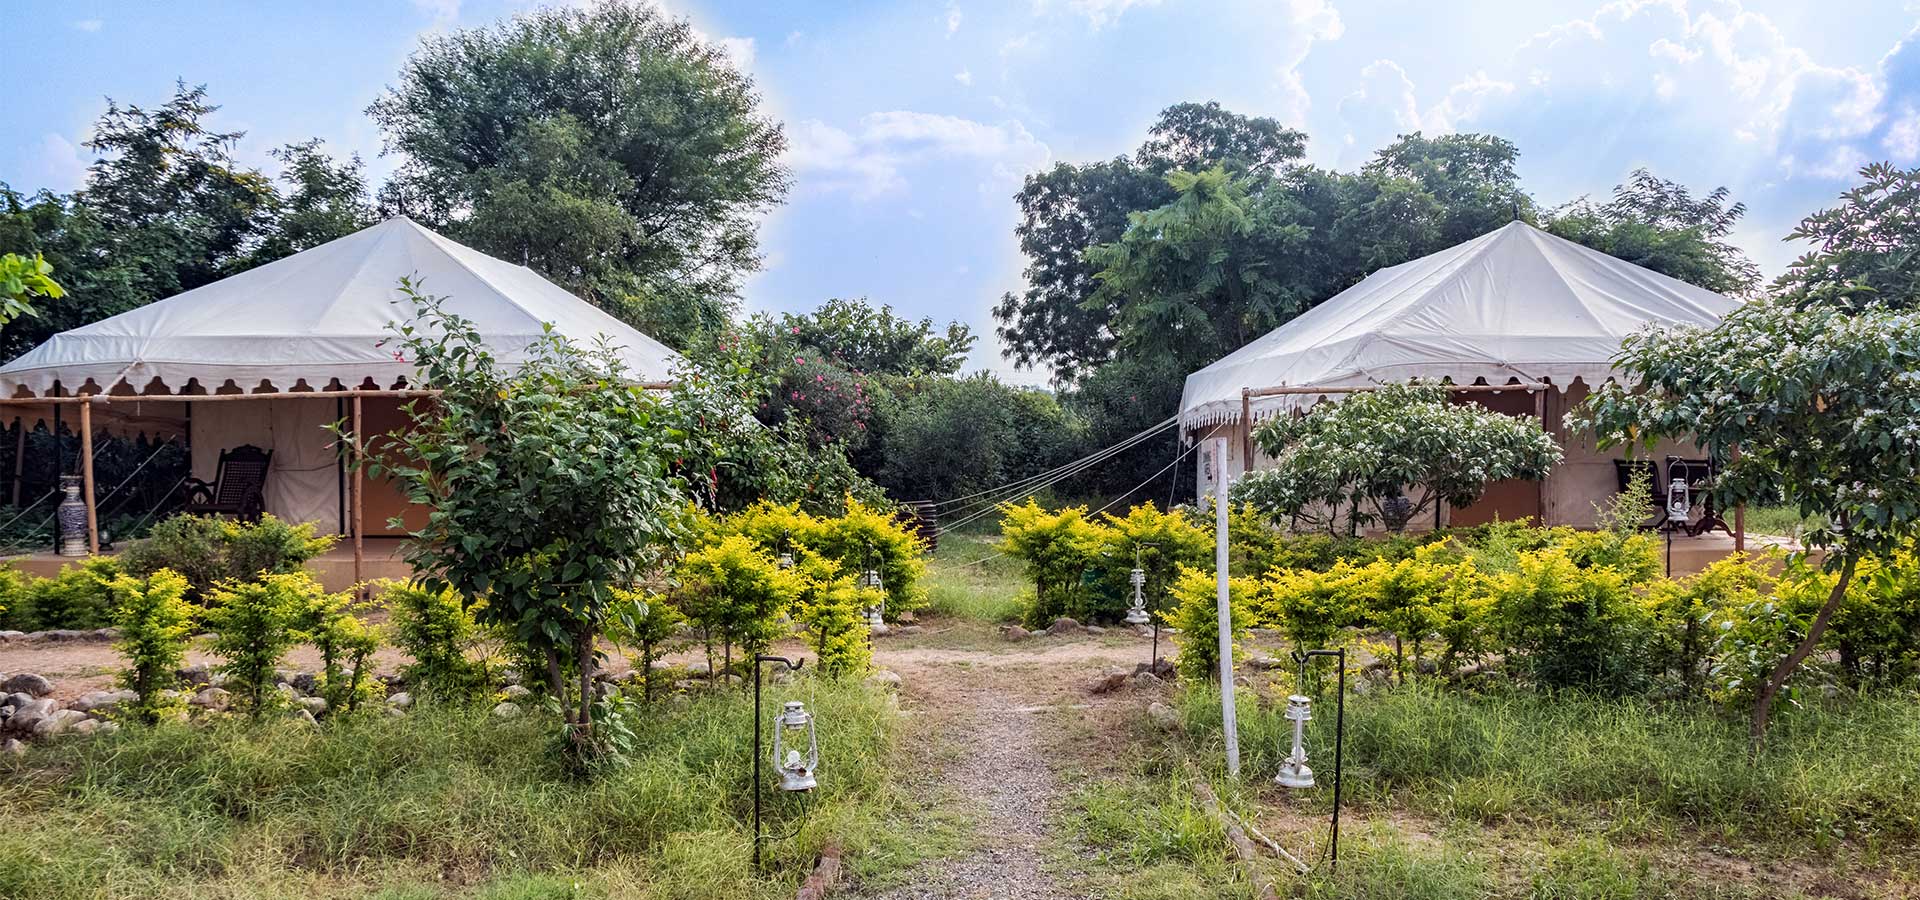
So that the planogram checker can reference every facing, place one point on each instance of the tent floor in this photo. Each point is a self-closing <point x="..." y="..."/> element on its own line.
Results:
<point x="380" y="558"/>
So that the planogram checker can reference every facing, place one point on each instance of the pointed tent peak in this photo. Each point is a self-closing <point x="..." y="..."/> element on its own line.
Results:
<point x="327" y="313"/>
<point x="1516" y="302"/>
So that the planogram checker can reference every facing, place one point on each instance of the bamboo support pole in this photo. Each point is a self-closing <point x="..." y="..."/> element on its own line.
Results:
<point x="86" y="477"/>
<point x="359" y="465"/>
<point x="1540" y="487"/>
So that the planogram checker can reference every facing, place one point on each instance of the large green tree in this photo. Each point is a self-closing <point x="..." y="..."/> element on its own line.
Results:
<point x="1070" y="208"/>
<point x="610" y="148"/>
<point x="1661" y="225"/>
<point x="166" y="209"/>
<point x="1865" y="250"/>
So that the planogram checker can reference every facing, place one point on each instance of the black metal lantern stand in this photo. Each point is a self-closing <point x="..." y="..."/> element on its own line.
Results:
<point x="1294" y="773"/>
<point x="758" y="661"/>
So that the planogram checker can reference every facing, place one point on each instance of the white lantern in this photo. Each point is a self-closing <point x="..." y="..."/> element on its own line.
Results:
<point x="786" y="560"/>
<point x="1679" y="500"/>
<point x="1137" y="613"/>
<point x="796" y="771"/>
<point x="1294" y="772"/>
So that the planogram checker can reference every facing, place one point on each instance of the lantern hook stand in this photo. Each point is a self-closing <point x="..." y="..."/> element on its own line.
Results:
<point x="758" y="661"/>
<point x="1339" y="740"/>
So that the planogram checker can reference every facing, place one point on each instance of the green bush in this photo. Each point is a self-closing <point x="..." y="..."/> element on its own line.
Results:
<point x="155" y="622"/>
<point x="437" y="630"/>
<point x="652" y="624"/>
<point x="209" y="550"/>
<point x="734" y="594"/>
<point x="868" y="535"/>
<point x="1196" y="614"/>
<point x="1058" y="549"/>
<point x="253" y="624"/>
<point x="346" y="644"/>
<point x="1160" y="542"/>
<point x="1568" y="627"/>
<point x="829" y="612"/>
<point x="78" y="597"/>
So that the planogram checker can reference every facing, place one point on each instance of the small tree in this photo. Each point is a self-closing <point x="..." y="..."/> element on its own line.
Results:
<point x="155" y="621"/>
<point x="1057" y="548"/>
<point x="735" y="593"/>
<point x="1160" y="542"/>
<point x="1354" y="462"/>
<point x="550" y="481"/>
<point x="253" y="626"/>
<point x="1196" y="615"/>
<point x="1805" y="403"/>
<point x="867" y="536"/>
<point x="345" y="643"/>
<point x="649" y="622"/>
<point x="829" y="606"/>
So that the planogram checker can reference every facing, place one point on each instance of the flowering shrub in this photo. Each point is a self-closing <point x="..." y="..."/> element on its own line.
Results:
<point x="1388" y="455"/>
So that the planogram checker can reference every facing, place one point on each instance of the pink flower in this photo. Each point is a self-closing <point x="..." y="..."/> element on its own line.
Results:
<point x="819" y="378"/>
<point x="800" y="360"/>
<point x="796" y="329"/>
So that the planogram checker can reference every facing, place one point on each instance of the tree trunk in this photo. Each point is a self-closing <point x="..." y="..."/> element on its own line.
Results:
<point x="556" y="681"/>
<point x="1763" y="704"/>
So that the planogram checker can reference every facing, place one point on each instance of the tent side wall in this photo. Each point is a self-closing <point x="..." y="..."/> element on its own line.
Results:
<point x="303" y="484"/>
<point x="1573" y="491"/>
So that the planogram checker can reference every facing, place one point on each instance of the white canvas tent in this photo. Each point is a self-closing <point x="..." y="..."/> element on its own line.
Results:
<point x="1514" y="305"/>
<point x="287" y="336"/>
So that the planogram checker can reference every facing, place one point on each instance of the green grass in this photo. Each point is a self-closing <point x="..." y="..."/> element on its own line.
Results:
<point x="968" y="579"/>
<point x="1785" y="521"/>
<point x="1847" y="773"/>
<point x="447" y="802"/>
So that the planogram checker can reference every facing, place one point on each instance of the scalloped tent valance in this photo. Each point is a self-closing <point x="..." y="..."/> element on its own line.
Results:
<point x="318" y="318"/>
<point x="1514" y="304"/>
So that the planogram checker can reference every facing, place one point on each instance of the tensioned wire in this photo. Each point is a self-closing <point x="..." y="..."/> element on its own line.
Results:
<point x="1046" y="480"/>
<point x="1126" y="442"/>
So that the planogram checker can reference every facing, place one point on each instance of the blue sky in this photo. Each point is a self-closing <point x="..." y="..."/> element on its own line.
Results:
<point x="912" y="123"/>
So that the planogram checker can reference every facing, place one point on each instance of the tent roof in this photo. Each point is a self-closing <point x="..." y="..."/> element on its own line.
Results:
<point x="323" y="314"/>
<point x="1516" y="302"/>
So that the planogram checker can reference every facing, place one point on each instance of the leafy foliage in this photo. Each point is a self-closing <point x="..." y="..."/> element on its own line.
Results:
<point x="437" y="630"/>
<point x="77" y="597"/>
<point x="1810" y="404"/>
<point x="1659" y="224"/>
<point x="208" y="550"/>
<point x="547" y="485"/>
<point x="254" y="624"/>
<point x="943" y="438"/>
<point x="1057" y="549"/>
<point x="346" y="643"/>
<point x="649" y="622"/>
<point x="734" y="595"/>
<point x="611" y="148"/>
<point x="155" y="622"/>
<point x="1865" y="251"/>
<point x="1196" y="620"/>
<point x="1339" y="464"/>
<point x="22" y="281"/>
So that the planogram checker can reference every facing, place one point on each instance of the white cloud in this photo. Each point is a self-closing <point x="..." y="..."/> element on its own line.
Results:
<point x="795" y="37"/>
<point x="964" y="76"/>
<point x="61" y="164"/>
<point x="1305" y="23"/>
<point x="1101" y="13"/>
<point x="870" y="159"/>
<point x="953" y="18"/>
<point x="1902" y="140"/>
<point x="88" y="25"/>
<point x="738" y="49"/>
<point x="440" y="13"/>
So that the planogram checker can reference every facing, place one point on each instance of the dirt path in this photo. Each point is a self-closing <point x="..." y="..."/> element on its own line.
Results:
<point x="991" y="720"/>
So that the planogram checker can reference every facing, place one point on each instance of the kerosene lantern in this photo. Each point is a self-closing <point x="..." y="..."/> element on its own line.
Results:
<point x="796" y="770"/>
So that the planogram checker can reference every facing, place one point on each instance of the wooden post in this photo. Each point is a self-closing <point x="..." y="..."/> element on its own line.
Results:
<point x="19" y="457"/>
<point x="1223" y="610"/>
<point x="86" y="476"/>
<point x="1540" y="412"/>
<point x="1246" y="429"/>
<point x="1739" y="520"/>
<point x="359" y="549"/>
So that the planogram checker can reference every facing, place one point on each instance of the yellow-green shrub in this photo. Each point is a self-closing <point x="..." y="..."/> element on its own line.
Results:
<point x="1565" y="626"/>
<point x="1161" y="542"/>
<point x="1057" y="549"/>
<point x="1683" y="609"/>
<point x="869" y="537"/>
<point x="1309" y="607"/>
<point x="1196" y="616"/>
<point x="253" y="626"/>
<point x="829" y="607"/>
<point x="734" y="593"/>
<point x="435" y="628"/>
<point x="155" y="622"/>
<point x="346" y="644"/>
<point x="76" y="597"/>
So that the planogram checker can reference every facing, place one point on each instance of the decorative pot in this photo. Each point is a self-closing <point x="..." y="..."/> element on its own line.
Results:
<point x="72" y="517"/>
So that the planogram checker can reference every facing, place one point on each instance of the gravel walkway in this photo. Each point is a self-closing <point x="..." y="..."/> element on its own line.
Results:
<point x="986" y="716"/>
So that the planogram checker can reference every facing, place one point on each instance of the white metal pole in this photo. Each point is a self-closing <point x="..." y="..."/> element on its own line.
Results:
<point x="1222" y="601"/>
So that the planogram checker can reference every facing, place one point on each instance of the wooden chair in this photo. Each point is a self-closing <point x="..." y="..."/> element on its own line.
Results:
<point x="239" y="485"/>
